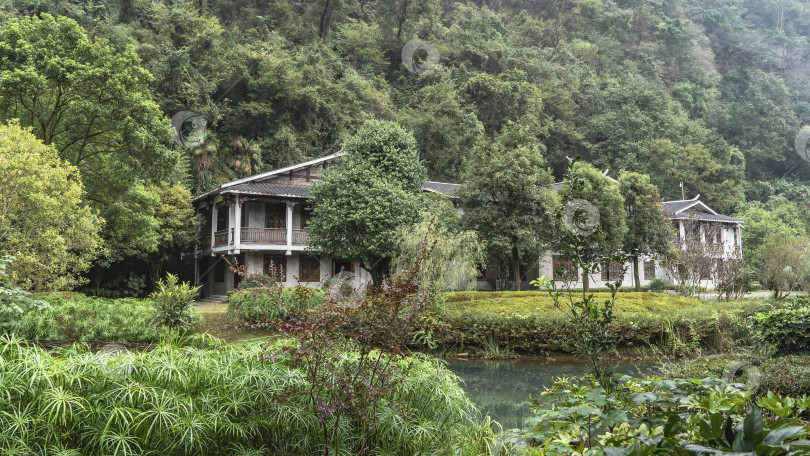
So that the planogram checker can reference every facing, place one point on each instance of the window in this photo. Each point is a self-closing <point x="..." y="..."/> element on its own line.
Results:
<point x="649" y="269"/>
<point x="612" y="272"/>
<point x="563" y="269"/>
<point x="275" y="266"/>
<point x="342" y="268"/>
<point x="719" y="236"/>
<point x="275" y="215"/>
<point x="309" y="269"/>
<point x="222" y="218"/>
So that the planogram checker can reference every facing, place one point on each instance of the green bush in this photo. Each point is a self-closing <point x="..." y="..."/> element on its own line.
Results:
<point x="785" y="330"/>
<point x="786" y="375"/>
<point x="260" y="304"/>
<point x="172" y="304"/>
<point x="657" y="285"/>
<point x="527" y="322"/>
<point x="231" y="400"/>
<point x="121" y="320"/>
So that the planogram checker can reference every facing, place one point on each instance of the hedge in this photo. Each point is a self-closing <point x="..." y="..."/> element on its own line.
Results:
<point x="528" y="322"/>
<point x="260" y="304"/>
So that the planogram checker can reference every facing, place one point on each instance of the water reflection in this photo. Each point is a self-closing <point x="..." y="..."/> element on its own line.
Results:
<point x="501" y="388"/>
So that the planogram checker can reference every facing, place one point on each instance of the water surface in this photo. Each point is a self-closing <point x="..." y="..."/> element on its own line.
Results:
<point x="501" y="388"/>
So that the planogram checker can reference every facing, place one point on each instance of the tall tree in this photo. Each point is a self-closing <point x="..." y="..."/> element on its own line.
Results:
<point x="358" y="207"/>
<point x="649" y="232"/>
<point x="44" y="223"/>
<point x="594" y="207"/>
<point x="507" y="196"/>
<point x="92" y="104"/>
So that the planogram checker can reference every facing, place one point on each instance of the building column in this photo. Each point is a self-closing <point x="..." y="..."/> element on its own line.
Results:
<point x="237" y="227"/>
<point x="213" y="226"/>
<point x="682" y="230"/>
<point x="739" y="238"/>
<point x="289" y="227"/>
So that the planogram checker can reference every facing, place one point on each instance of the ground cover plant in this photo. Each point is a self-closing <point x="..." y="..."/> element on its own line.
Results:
<point x="528" y="321"/>
<point x="205" y="398"/>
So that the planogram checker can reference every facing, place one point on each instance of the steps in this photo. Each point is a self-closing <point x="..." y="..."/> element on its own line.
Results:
<point x="213" y="299"/>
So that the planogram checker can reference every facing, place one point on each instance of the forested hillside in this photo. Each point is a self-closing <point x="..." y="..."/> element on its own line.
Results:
<point x="708" y="92"/>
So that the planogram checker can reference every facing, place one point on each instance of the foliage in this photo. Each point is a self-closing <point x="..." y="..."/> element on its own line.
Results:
<point x="172" y="302"/>
<point x="527" y="322"/>
<point x="506" y="198"/>
<point x="655" y="416"/>
<point x="357" y="208"/>
<point x="454" y="252"/>
<point x="91" y="319"/>
<point x="605" y="228"/>
<point x="15" y="303"/>
<point x="785" y="330"/>
<point x="91" y="103"/>
<point x="649" y="232"/>
<point x="783" y="263"/>
<point x="43" y="221"/>
<point x="177" y="229"/>
<point x="263" y="304"/>
<point x="374" y="329"/>
<point x="337" y="286"/>
<point x="657" y="285"/>
<point x="207" y="398"/>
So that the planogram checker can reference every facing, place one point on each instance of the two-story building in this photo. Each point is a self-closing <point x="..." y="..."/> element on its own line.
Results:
<point x="261" y="222"/>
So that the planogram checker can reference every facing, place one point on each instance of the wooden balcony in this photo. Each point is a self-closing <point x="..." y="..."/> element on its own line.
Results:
<point x="276" y="236"/>
<point x="205" y="241"/>
<point x="299" y="237"/>
<point x="221" y="238"/>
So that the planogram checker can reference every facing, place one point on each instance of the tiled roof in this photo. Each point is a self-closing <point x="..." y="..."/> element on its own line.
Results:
<point x="673" y="207"/>
<point x="269" y="189"/>
<point x="301" y="191"/>
<point x="704" y="216"/>
<point x="441" y="187"/>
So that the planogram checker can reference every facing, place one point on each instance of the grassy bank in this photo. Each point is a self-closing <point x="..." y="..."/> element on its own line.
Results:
<point x="528" y="322"/>
<point x="210" y="400"/>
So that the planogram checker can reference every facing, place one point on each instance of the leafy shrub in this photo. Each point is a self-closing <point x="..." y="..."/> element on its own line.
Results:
<point x="176" y="401"/>
<point x="15" y="302"/>
<point x="172" y="304"/>
<point x="90" y="318"/>
<point x="664" y="417"/>
<point x="786" y="375"/>
<point x="254" y="280"/>
<point x="260" y="304"/>
<point x="785" y="330"/>
<point x="657" y="285"/>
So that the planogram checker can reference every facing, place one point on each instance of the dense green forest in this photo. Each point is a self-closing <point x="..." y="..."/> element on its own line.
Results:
<point x="708" y="92"/>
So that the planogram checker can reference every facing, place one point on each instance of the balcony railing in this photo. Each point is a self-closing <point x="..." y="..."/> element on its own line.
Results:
<point x="264" y="236"/>
<point x="205" y="241"/>
<point x="221" y="238"/>
<point x="299" y="237"/>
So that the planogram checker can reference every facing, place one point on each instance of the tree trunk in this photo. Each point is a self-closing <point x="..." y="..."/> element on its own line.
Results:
<point x="586" y="287"/>
<point x="516" y="267"/>
<point x="636" y="279"/>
